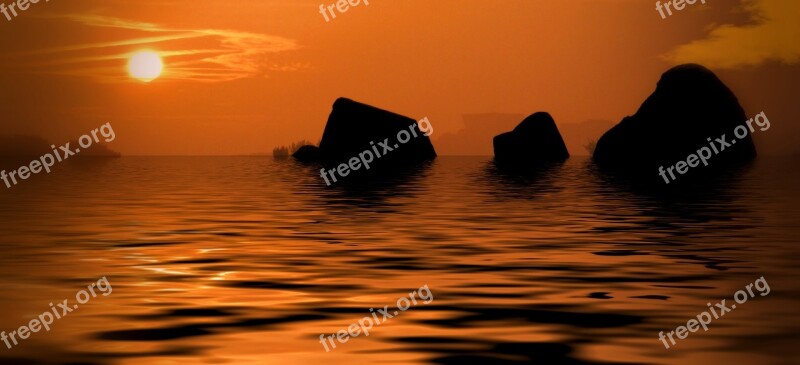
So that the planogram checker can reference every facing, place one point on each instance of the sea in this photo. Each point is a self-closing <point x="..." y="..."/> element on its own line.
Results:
<point x="249" y="260"/>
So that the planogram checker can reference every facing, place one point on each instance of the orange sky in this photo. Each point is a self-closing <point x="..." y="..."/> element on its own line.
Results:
<point x="241" y="77"/>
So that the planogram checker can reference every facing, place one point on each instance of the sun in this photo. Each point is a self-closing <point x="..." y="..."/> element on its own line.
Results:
<point x="145" y="66"/>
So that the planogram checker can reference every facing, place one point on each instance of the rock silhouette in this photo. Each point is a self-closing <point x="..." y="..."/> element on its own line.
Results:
<point x="689" y="106"/>
<point x="354" y="127"/>
<point x="307" y="153"/>
<point x="534" y="142"/>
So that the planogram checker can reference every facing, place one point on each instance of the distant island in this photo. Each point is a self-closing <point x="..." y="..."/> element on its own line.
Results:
<point x="30" y="146"/>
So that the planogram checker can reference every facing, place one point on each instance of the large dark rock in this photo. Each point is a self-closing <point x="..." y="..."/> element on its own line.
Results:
<point x="355" y="127"/>
<point x="689" y="106"/>
<point x="533" y="142"/>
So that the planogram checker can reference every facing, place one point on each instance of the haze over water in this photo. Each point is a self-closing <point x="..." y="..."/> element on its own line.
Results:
<point x="247" y="260"/>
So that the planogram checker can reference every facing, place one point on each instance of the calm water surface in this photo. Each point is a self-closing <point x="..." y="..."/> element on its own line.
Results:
<point x="247" y="260"/>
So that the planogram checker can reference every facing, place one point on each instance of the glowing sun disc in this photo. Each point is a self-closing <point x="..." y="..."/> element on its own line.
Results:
<point x="145" y="66"/>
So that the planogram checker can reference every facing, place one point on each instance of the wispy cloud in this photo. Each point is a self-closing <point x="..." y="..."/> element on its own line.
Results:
<point x="772" y="35"/>
<point x="205" y="55"/>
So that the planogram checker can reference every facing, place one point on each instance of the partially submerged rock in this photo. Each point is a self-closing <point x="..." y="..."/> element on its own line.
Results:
<point x="354" y="128"/>
<point x="534" y="142"/>
<point x="689" y="109"/>
<point x="307" y="153"/>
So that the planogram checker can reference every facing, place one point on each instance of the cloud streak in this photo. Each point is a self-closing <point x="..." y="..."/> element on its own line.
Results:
<point x="772" y="35"/>
<point x="203" y="55"/>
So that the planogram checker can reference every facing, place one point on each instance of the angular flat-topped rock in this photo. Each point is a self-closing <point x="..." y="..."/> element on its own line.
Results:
<point x="354" y="127"/>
